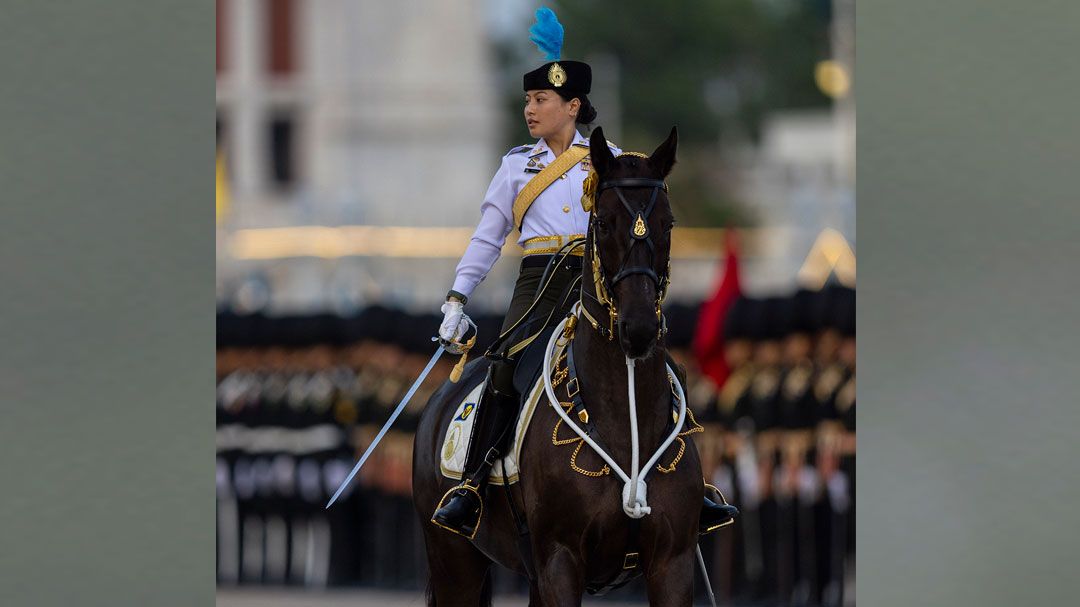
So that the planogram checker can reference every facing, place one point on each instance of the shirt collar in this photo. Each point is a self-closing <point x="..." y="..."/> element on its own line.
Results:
<point x="541" y="146"/>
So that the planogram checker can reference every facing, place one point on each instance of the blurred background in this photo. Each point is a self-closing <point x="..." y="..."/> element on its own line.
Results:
<point x="355" y="141"/>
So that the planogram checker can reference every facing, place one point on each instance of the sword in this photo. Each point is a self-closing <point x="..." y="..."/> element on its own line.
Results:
<point x="389" y="422"/>
<point x="705" y="574"/>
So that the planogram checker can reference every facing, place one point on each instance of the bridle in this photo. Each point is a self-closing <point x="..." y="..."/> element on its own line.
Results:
<point x="639" y="232"/>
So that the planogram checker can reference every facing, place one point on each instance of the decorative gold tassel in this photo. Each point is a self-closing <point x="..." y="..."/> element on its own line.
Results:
<point x="455" y="374"/>
<point x="588" y="188"/>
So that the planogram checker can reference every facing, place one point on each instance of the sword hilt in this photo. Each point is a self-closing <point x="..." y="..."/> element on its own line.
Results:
<point x="457" y="345"/>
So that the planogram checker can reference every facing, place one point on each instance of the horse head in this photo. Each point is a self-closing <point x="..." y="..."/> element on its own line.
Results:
<point x="628" y="245"/>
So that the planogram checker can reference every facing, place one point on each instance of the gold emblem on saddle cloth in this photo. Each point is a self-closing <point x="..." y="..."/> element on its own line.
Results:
<point x="556" y="75"/>
<point x="452" y="441"/>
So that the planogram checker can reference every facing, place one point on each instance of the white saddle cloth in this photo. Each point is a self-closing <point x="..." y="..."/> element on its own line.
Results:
<point x="456" y="440"/>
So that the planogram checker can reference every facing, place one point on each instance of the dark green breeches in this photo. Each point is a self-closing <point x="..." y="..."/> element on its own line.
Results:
<point x="502" y="372"/>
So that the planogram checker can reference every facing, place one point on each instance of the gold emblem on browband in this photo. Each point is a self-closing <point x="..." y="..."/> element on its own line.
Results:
<point x="556" y="75"/>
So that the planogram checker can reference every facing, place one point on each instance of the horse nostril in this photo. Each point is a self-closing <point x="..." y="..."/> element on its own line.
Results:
<point x="637" y="338"/>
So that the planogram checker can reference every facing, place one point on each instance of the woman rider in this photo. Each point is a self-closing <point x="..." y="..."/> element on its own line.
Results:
<point x="556" y="101"/>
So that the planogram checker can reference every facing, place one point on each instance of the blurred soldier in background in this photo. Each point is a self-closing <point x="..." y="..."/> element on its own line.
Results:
<point x="834" y="391"/>
<point x="798" y="418"/>
<point x="298" y="398"/>
<point x="759" y="418"/>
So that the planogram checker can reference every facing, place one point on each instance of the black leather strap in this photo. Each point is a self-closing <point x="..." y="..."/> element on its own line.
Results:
<point x="636" y="270"/>
<point x="572" y="262"/>
<point x="524" y="544"/>
<point x="573" y="391"/>
<point x="631" y="182"/>
<point x="631" y="565"/>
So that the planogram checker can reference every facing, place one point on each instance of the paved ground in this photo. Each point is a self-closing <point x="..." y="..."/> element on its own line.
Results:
<point x="355" y="598"/>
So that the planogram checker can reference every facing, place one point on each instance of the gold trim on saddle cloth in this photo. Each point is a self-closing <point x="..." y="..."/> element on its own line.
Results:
<point x="548" y="245"/>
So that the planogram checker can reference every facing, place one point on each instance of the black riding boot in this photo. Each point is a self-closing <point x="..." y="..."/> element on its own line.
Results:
<point x="494" y="416"/>
<point x="714" y="516"/>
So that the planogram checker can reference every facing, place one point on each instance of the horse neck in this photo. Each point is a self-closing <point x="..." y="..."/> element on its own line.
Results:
<point x="601" y="368"/>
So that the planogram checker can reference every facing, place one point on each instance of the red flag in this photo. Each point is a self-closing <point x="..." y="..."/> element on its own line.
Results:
<point x="709" y="334"/>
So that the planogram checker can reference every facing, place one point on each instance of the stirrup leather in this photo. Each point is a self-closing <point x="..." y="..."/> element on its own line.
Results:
<point x="446" y="497"/>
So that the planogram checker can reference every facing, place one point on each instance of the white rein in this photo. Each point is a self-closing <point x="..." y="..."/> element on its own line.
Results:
<point x="634" y="501"/>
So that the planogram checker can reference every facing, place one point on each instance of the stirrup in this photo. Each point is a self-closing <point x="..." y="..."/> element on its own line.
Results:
<point x="732" y="512"/>
<point x="468" y="527"/>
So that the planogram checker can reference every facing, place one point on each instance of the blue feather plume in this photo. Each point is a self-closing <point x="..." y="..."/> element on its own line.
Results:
<point x="547" y="33"/>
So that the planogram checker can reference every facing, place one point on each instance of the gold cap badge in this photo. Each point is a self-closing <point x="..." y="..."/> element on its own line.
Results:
<point x="556" y="75"/>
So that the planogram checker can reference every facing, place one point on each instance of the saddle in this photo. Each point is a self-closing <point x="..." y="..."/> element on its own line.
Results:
<point x="456" y="440"/>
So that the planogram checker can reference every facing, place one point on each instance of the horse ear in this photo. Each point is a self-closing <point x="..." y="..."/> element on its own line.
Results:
<point x="663" y="158"/>
<point x="600" y="153"/>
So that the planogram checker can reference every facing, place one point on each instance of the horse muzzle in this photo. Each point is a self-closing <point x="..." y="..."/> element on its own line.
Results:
<point x="638" y="336"/>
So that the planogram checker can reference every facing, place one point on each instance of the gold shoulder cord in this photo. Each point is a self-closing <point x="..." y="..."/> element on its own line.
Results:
<point x="543" y="179"/>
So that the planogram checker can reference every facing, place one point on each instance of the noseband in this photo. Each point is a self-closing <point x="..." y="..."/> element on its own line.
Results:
<point x="639" y="232"/>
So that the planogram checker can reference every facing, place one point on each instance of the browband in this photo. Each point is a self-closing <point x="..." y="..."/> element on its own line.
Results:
<point x="632" y="182"/>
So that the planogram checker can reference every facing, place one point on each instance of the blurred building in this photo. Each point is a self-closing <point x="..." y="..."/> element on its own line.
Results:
<point x="348" y="113"/>
<point x="356" y="141"/>
<point x="800" y="180"/>
<point x="799" y="183"/>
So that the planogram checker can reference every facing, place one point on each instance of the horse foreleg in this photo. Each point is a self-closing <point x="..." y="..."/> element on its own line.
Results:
<point x="673" y="583"/>
<point x="534" y="595"/>
<point x="458" y="572"/>
<point x="560" y="579"/>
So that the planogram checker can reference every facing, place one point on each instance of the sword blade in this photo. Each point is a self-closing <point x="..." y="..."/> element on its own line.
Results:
<point x="386" y="426"/>
<point x="705" y="574"/>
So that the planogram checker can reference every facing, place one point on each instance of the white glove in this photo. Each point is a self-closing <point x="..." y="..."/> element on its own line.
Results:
<point x="453" y="325"/>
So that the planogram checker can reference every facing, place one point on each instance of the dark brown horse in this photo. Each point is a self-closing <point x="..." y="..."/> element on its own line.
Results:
<point x="579" y="531"/>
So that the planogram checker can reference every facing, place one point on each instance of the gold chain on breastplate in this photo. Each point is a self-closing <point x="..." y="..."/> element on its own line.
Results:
<point x="694" y="429"/>
<point x="558" y="442"/>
